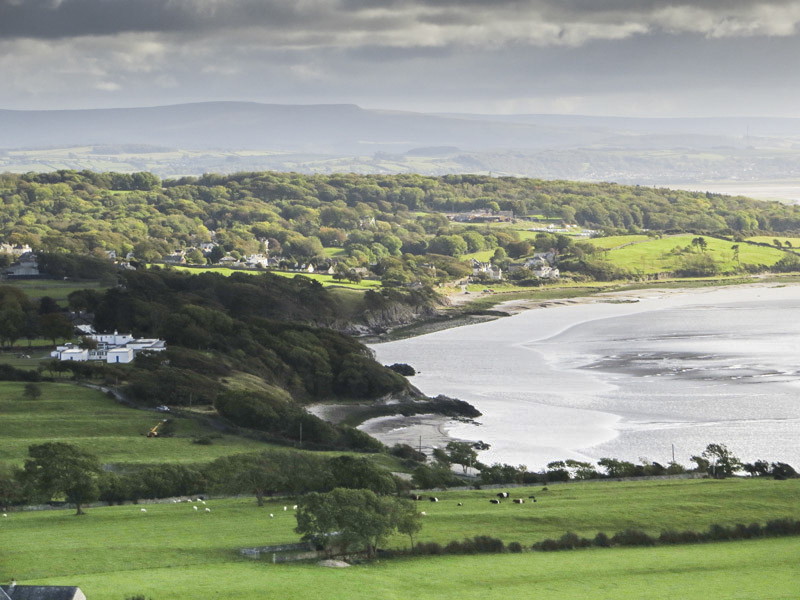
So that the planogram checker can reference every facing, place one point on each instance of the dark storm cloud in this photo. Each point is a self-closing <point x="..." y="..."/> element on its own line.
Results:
<point x="499" y="55"/>
<point x="403" y="22"/>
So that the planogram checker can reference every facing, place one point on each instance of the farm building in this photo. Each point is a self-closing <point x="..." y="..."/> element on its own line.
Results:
<point x="111" y="348"/>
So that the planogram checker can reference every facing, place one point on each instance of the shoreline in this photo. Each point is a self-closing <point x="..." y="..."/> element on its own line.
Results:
<point x="640" y="300"/>
<point x="461" y="313"/>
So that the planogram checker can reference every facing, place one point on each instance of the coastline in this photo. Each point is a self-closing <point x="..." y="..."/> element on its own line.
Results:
<point x="439" y="430"/>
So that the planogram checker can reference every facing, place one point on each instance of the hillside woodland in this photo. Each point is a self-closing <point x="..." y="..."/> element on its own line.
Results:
<point x="395" y="226"/>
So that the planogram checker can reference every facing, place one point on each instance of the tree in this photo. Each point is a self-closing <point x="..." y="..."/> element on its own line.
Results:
<point x="11" y="488"/>
<point x="735" y="248"/>
<point x="55" y="326"/>
<point x="700" y="243"/>
<point x="462" y="453"/>
<point x="352" y="519"/>
<point x="58" y="468"/>
<point x="722" y="463"/>
<point x="259" y="474"/>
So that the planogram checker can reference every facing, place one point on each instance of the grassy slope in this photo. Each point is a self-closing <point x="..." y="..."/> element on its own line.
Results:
<point x="740" y="570"/>
<point x="325" y="280"/>
<point x="173" y="551"/>
<point x="91" y="420"/>
<point x="58" y="290"/>
<point x="656" y="255"/>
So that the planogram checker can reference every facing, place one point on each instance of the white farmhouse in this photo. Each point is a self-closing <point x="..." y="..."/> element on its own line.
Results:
<point x="111" y="348"/>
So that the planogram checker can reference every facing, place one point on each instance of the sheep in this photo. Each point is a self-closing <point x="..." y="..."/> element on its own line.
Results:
<point x="208" y="509"/>
<point x="271" y="516"/>
<point x="284" y="508"/>
<point x="294" y="507"/>
<point x="423" y="513"/>
<point x="144" y="510"/>
<point x="203" y="501"/>
<point x="194" y="507"/>
<point x="4" y="515"/>
<point x="518" y="501"/>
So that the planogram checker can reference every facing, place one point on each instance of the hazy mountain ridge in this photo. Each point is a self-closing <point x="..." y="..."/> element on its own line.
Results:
<point x="226" y="137"/>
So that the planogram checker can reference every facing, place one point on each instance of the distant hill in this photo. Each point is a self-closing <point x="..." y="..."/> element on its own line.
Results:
<point x="229" y="137"/>
<point x="325" y="129"/>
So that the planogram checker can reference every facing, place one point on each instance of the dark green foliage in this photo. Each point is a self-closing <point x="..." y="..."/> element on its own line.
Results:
<point x="164" y="481"/>
<point x="632" y="537"/>
<point x="32" y="391"/>
<point x="403" y="369"/>
<point x="407" y="452"/>
<point x="360" y="473"/>
<point x="515" y="547"/>
<point x="58" y="468"/>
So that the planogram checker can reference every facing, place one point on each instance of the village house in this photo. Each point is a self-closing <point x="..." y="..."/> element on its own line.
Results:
<point x="111" y="348"/>
<point x="27" y="266"/>
<point x="493" y="272"/>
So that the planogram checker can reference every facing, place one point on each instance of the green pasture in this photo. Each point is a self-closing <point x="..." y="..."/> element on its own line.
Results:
<point x="615" y="241"/>
<point x="763" y="569"/>
<point x="173" y="551"/>
<point x="325" y="280"/>
<point x="664" y="254"/>
<point x="769" y="239"/>
<point x="54" y="288"/>
<point x="91" y="420"/>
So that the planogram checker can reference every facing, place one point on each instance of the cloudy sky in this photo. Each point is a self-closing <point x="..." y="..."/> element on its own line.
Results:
<point x="610" y="57"/>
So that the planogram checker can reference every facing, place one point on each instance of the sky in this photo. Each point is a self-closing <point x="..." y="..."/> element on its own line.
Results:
<point x="602" y="57"/>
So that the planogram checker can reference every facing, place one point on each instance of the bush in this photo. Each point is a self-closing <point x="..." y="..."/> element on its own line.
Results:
<point x="515" y="547"/>
<point x="601" y="540"/>
<point x="632" y="537"/>
<point x="778" y="527"/>
<point x="569" y="540"/>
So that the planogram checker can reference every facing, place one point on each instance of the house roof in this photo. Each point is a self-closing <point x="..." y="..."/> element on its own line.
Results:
<point x="43" y="592"/>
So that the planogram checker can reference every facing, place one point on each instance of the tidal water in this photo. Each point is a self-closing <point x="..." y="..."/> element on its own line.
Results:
<point x="625" y="380"/>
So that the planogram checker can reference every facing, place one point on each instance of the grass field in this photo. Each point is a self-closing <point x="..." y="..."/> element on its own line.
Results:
<point x="93" y="421"/>
<point x="769" y="239"/>
<point x="173" y="551"/>
<point x="326" y="280"/>
<point x="661" y="255"/>
<point x="55" y="289"/>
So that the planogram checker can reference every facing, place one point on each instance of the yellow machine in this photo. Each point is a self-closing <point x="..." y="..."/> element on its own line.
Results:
<point x="154" y="431"/>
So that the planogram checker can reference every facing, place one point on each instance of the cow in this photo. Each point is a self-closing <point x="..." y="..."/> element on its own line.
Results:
<point x="532" y="498"/>
<point x="460" y="504"/>
<point x="518" y="501"/>
<point x="415" y="497"/>
<point x="433" y="499"/>
<point x="502" y="495"/>
<point x="493" y="501"/>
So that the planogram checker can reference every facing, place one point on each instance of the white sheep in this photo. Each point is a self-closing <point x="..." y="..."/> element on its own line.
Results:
<point x="208" y="509"/>
<point x="194" y="507"/>
<point x="203" y="501"/>
<point x="423" y="513"/>
<point x="284" y="508"/>
<point x="294" y="507"/>
<point x="144" y="510"/>
<point x="4" y="515"/>
<point x="271" y="516"/>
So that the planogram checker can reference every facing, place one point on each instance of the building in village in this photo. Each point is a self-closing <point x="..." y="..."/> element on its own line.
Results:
<point x="111" y="348"/>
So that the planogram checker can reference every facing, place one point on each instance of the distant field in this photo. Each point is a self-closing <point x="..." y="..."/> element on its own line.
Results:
<point x="91" y="420"/>
<point x="660" y="255"/>
<point x="54" y="288"/>
<point x="769" y="239"/>
<point x="326" y="280"/>
<point x="174" y="552"/>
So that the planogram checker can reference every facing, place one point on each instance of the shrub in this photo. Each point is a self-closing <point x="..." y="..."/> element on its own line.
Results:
<point x="782" y="527"/>
<point x="569" y="540"/>
<point x="717" y="533"/>
<point x="515" y="547"/>
<point x="547" y="545"/>
<point x="488" y="544"/>
<point x="632" y="537"/>
<point x="403" y="369"/>
<point x="601" y="540"/>
<point x="204" y="440"/>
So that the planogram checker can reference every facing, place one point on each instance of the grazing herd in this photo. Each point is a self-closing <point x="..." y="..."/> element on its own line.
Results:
<point x="500" y="497"/>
